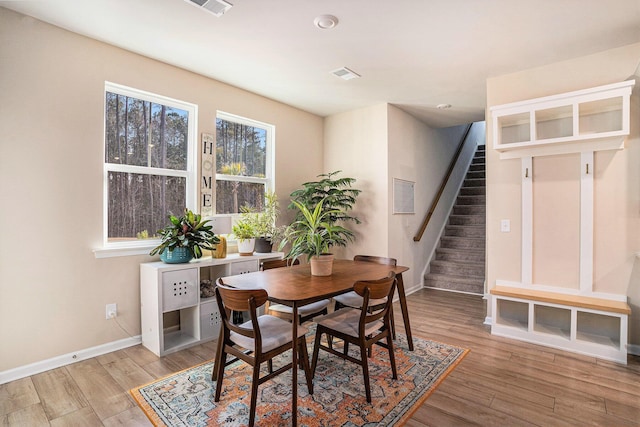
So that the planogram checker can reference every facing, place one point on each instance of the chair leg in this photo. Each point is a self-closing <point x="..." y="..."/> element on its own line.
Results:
<point x="220" y="373"/>
<point x="392" y="357"/>
<point x="254" y="393"/>
<point x="393" y="323"/>
<point x="304" y="355"/>
<point x="346" y="347"/>
<point x="316" y="350"/>
<point x="365" y="370"/>
<point x="218" y="350"/>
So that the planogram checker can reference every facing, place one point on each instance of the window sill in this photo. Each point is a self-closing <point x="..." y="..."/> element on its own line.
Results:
<point x="122" y="251"/>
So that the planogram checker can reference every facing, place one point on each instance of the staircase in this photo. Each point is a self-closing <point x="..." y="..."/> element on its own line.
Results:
<point x="459" y="260"/>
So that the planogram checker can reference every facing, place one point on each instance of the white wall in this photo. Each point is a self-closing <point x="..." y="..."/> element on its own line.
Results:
<point x="53" y="290"/>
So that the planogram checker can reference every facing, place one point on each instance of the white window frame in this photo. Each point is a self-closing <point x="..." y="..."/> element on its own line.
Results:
<point x="269" y="180"/>
<point x="110" y="249"/>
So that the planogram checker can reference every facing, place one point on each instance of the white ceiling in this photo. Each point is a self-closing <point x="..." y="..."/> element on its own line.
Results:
<point x="414" y="54"/>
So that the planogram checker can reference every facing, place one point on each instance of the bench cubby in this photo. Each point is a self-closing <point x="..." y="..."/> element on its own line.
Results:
<point x="582" y="324"/>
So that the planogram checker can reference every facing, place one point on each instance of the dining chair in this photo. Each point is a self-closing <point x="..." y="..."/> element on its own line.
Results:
<point x="360" y="327"/>
<point x="352" y="299"/>
<point x="257" y="340"/>
<point x="305" y="312"/>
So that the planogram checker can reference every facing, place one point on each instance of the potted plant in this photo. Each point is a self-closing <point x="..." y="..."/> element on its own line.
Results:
<point x="313" y="234"/>
<point x="244" y="232"/>
<point x="264" y="224"/>
<point x="337" y="194"/>
<point x="184" y="238"/>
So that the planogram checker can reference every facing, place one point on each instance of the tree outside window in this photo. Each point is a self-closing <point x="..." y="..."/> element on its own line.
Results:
<point x="148" y="174"/>
<point x="243" y="163"/>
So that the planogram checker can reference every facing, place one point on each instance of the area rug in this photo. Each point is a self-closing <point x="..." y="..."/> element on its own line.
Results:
<point x="186" y="398"/>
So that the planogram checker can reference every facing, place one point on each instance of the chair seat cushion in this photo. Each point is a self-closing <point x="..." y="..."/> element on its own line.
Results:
<point x="303" y="310"/>
<point x="275" y="332"/>
<point x="347" y="320"/>
<point x="352" y="299"/>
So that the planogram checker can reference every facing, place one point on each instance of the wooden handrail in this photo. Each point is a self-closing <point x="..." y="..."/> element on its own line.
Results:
<point x="435" y="201"/>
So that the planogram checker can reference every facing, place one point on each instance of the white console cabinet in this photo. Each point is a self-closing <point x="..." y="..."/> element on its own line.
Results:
<point x="173" y="315"/>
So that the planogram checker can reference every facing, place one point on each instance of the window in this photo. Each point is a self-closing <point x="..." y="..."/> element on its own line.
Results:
<point x="149" y="163"/>
<point x="243" y="163"/>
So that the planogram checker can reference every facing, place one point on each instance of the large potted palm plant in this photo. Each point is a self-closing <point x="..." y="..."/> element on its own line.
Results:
<point x="313" y="234"/>
<point x="184" y="238"/>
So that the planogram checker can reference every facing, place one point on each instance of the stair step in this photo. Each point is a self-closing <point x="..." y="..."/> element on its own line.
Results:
<point x="465" y="230"/>
<point x="471" y="200"/>
<point x="472" y="191"/>
<point x="454" y="242"/>
<point x="479" y="210"/>
<point x="479" y="182"/>
<point x="457" y="268"/>
<point x="475" y="174"/>
<point x="455" y="283"/>
<point x="445" y="254"/>
<point x="456" y="219"/>
<point x="478" y="160"/>
<point x="477" y="167"/>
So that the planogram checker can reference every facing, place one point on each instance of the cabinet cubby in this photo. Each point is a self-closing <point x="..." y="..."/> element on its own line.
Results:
<point x="173" y="316"/>
<point x="557" y="124"/>
<point x="587" y="325"/>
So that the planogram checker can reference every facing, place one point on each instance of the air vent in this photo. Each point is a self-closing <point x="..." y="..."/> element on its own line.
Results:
<point x="217" y="7"/>
<point x="345" y="73"/>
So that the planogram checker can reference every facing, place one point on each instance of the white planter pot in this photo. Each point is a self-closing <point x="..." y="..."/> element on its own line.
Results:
<point x="246" y="246"/>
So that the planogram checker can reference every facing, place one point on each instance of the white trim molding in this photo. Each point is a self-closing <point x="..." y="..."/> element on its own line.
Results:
<point x="66" y="359"/>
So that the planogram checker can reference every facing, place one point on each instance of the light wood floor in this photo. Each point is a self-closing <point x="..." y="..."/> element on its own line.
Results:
<point x="501" y="382"/>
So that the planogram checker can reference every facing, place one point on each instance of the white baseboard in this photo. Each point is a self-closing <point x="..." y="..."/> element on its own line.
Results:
<point x="633" y="349"/>
<point x="66" y="359"/>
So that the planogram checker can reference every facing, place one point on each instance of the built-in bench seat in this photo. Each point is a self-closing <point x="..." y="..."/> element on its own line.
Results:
<point x="583" y="324"/>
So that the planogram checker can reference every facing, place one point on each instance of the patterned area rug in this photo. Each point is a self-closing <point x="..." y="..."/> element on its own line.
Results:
<point x="186" y="398"/>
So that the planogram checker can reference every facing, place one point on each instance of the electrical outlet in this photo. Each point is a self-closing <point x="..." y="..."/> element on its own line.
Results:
<point x="111" y="311"/>
<point x="505" y="225"/>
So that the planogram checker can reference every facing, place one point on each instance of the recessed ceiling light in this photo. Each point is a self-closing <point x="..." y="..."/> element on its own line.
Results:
<point x="443" y="106"/>
<point x="325" y="22"/>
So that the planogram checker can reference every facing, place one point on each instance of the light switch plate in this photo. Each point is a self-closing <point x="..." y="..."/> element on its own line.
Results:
<point x="505" y="225"/>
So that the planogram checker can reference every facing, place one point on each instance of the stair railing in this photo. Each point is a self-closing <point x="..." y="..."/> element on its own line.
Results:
<point x="436" y="199"/>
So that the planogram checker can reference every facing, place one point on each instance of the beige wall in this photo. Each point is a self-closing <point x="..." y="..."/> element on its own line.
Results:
<point x="377" y="144"/>
<point x="356" y="144"/>
<point x="616" y="194"/>
<point x="53" y="290"/>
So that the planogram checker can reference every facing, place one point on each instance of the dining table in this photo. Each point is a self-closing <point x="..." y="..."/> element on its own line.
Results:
<point x="295" y="286"/>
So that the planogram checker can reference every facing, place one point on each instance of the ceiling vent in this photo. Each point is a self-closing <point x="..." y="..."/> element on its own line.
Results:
<point x="217" y="7"/>
<point x="345" y="73"/>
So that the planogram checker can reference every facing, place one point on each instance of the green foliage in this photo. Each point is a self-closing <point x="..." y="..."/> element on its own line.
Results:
<point x="337" y="195"/>
<point x="144" y="234"/>
<point x="314" y="233"/>
<point x="187" y="231"/>
<point x="243" y="229"/>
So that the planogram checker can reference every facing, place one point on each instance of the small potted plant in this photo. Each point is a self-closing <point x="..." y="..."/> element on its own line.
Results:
<point x="264" y="224"/>
<point x="185" y="238"/>
<point x="244" y="232"/>
<point x="313" y="234"/>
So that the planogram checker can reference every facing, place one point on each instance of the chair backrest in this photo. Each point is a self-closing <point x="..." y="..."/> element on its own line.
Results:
<point x="376" y="259"/>
<point x="279" y="263"/>
<point x="232" y="299"/>
<point x="376" y="289"/>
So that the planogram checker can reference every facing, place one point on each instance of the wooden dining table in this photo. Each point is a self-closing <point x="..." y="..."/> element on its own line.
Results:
<point x="295" y="286"/>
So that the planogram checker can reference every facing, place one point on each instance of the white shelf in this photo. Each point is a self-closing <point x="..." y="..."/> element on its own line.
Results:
<point x="174" y="290"/>
<point x="583" y="324"/>
<point x="592" y="119"/>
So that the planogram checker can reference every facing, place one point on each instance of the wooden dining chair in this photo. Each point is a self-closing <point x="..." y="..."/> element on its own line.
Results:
<point x="305" y="312"/>
<point x="352" y="299"/>
<point x="257" y="340"/>
<point x="363" y="328"/>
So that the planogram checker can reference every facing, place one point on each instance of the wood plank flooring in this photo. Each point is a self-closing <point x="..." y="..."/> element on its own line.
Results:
<point x="501" y="382"/>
